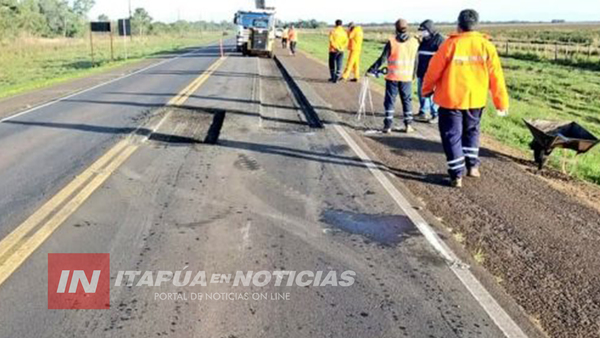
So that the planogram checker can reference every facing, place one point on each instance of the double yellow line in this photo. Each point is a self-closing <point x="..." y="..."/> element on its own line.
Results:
<point x="31" y="234"/>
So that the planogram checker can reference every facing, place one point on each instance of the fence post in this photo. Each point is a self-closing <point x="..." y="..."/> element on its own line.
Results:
<point x="112" y="46"/>
<point x="92" y="47"/>
<point x="556" y="52"/>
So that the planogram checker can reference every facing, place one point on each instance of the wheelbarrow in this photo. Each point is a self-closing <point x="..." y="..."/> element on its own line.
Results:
<point x="549" y="135"/>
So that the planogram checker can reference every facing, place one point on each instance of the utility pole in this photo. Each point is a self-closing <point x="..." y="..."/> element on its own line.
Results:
<point x="130" y="35"/>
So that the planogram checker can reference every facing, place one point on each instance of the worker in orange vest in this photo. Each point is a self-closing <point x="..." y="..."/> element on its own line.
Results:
<point x="460" y="76"/>
<point x="355" y="35"/>
<point x="338" y="41"/>
<point x="293" y="37"/>
<point x="284" y="37"/>
<point x="400" y="53"/>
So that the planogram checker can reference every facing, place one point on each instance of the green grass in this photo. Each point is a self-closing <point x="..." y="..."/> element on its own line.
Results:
<point x="538" y="90"/>
<point x="29" y="64"/>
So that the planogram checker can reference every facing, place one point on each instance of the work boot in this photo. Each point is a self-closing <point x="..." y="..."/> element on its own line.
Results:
<point x="386" y="130"/>
<point x="354" y="80"/>
<point x="421" y="117"/>
<point x="434" y="120"/>
<point x="456" y="182"/>
<point x="474" y="172"/>
<point x="408" y="129"/>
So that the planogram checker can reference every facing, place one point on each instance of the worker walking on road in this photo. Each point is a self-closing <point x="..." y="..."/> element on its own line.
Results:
<point x="460" y="75"/>
<point x="431" y="40"/>
<point x="355" y="36"/>
<point x="338" y="41"/>
<point x="293" y="37"/>
<point x="284" y="37"/>
<point x="400" y="53"/>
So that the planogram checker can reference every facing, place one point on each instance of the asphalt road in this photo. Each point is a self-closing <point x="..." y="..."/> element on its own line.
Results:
<point x="272" y="194"/>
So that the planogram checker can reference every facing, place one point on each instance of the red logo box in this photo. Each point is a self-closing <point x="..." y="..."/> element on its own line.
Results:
<point x="79" y="281"/>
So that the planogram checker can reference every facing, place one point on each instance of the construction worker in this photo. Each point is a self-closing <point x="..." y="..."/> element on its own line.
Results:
<point x="293" y="37"/>
<point x="355" y="35"/>
<point x="284" y="37"/>
<point x="431" y="40"/>
<point x="400" y="53"/>
<point x="338" y="41"/>
<point x="460" y="75"/>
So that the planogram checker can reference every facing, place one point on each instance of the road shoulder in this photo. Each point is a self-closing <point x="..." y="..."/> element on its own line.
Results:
<point x="514" y="225"/>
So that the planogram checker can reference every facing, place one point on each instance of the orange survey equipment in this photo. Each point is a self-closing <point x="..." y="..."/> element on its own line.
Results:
<point x="463" y="71"/>
<point x="338" y="39"/>
<point x="402" y="60"/>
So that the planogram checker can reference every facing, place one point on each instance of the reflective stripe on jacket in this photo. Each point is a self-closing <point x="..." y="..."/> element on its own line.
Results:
<point x="356" y="39"/>
<point x="427" y="50"/>
<point x="402" y="59"/>
<point x="338" y="39"/>
<point x="463" y="71"/>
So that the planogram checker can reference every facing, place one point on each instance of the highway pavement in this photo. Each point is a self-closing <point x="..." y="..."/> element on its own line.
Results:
<point x="203" y="163"/>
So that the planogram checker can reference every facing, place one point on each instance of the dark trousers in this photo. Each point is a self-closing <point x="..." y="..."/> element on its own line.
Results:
<point x="293" y="46"/>
<point x="460" y="130"/>
<point x="392" y="90"/>
<point x="336" y="62"/>
<point x="284" y="43"/>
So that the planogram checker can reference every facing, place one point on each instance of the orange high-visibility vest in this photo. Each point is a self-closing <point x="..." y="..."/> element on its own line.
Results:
<point x="402" y="59"/>
<point x="464" y="70"/>
<point x="292" y="35"/>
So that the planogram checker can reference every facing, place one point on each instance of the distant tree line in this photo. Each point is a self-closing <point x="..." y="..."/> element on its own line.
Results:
<point x="143" y="24"/>
<point x="307" y="24"/>
<point x="47" y="18"/>
<point x="69" y="18"/>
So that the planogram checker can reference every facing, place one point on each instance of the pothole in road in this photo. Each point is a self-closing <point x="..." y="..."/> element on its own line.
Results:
<point x="388" y="230"/>
<point x="190" y="126"/>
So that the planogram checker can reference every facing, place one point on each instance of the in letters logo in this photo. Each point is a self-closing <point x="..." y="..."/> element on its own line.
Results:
<point x="79" y="281"/>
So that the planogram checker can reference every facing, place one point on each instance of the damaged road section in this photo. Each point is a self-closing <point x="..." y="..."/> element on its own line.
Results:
<point x="312" y="117"/>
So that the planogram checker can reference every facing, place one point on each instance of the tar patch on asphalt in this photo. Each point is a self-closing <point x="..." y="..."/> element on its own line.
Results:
<point x="186" y="126"/>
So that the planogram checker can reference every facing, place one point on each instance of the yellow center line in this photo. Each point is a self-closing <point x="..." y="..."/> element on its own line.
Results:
<point x="76" y="193"/>
<point x="45" y="210"/>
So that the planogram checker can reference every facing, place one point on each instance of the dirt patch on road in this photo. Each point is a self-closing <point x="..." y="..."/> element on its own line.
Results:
<point x="536" y="234"/>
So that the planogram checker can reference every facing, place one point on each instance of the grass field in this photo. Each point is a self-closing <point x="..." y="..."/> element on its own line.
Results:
<point x="36" y="63"/>
<point x="538" y="89"/>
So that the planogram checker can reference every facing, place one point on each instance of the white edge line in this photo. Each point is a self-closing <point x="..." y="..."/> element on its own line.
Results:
<point x="97" y="86"/>
<point x="474" y="286"/>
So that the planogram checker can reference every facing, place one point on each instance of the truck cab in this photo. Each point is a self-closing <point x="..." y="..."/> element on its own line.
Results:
<point x="255" y="31"/>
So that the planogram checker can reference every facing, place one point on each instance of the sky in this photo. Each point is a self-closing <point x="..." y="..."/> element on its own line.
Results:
<point x="363" y="11"/>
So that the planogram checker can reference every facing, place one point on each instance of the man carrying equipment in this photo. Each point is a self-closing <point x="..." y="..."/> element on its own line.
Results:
<point x="400" y="53"/>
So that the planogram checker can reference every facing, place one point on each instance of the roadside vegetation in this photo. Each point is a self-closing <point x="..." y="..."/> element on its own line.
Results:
<point x="32" y="63"/>
<point x="539" y="89"/>
<point x="44" y="42"/>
